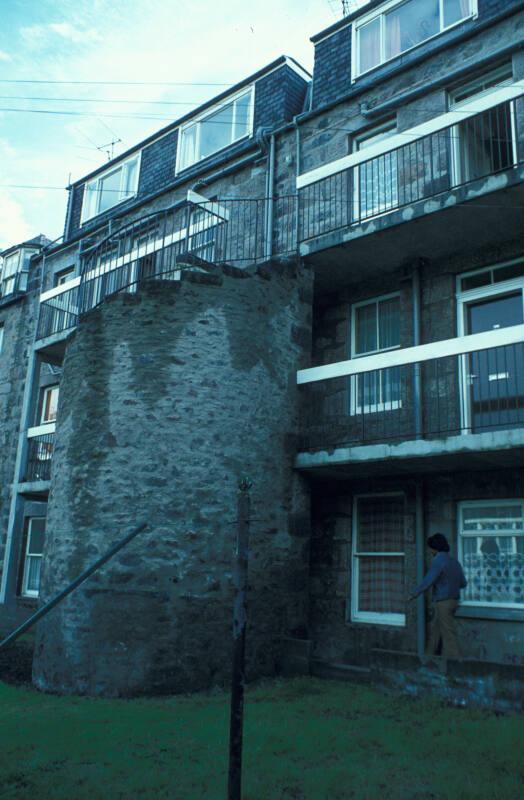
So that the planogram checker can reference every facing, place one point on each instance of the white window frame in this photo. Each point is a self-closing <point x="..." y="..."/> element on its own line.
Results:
<point x="27" y="556"/>
<point x="381" y="12"/>
<point x="179" y="167"/>
<point x="370" y="617"/>
<point x="372" y="408"/>
<point x="461" y="536"/>
<point x="48" y="391"/>
<point x="498" y="78"/>
<point x="10" y="277"/>
<point x="464" y="298"/>
<point x="63" y="276"/>
<point x="95" y="184"/>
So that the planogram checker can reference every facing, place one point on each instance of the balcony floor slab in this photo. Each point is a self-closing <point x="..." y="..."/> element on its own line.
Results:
<point x="477" y="451"/>
<point x="485" y="212"/>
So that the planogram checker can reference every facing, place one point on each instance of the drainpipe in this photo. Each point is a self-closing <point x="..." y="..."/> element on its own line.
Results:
<point x="417" y="367"/>
<point x="297" y="173"/>
<point x="419" y="555"/>
<point x="270" y="195"/>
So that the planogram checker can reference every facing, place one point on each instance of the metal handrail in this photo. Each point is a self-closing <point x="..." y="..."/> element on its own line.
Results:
<point x="42" y="612"/>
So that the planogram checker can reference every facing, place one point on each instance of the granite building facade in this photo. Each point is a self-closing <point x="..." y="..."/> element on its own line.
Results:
<point x="316" y="280"/>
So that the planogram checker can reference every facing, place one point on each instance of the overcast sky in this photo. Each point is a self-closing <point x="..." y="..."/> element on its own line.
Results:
<point x="183" y="41"/>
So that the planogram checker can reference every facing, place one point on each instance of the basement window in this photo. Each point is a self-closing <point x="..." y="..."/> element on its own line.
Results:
<point x="397" y="27"/>
<point x="110" y="188"/>
<point x="220" y="127"/>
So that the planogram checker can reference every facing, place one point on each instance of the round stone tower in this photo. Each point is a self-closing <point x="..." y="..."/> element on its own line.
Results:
<point x="168" y="397"/>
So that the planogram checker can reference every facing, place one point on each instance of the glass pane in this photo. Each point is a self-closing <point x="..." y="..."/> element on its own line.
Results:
<point x="110" y="190"/>
<point x="409" y="24"/>
<point x="389" y="323"/>
<point x="243" y="116"/>
<point x="378" y="183"/>
<point x="494" y="568"/>
<point x="366" y="328"/>
<point x="131" y="174"/>
<point x="188" y="154"/>
<point x="36" y="534"/>
<point x="381" y="585"/>
<point x="380" y="525"/>
<point x="89" y="202"/>
<point x="369" y="45"/>
<point x="50" y="404"/>
<point x="492" y="518"/>
<point x="32" y="574"/>
<point x="454" y="10"/>
<point x="10" y="265"/>
<point x="216" y="131"/>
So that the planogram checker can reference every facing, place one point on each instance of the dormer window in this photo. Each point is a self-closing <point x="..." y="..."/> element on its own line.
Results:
<point x="13" y="271"/>
<point x="110" y="188"/>
<point x="216" y="129"/>
<point x="398" y="26"/>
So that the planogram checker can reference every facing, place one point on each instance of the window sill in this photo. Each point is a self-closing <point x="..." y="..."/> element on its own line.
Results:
<point x="484" y="612"/>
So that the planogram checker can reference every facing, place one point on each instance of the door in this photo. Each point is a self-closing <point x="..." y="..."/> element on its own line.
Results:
<point x="496" y="376"/>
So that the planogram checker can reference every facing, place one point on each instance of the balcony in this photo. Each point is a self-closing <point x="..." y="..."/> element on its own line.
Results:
<point x="196" y="234"/>
<point x="447" y="405"/>
<point x="458" y="179"/>
<point x="39" y="453"/>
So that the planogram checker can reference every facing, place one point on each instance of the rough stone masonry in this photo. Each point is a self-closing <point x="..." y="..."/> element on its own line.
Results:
<point x="168" y="397"/>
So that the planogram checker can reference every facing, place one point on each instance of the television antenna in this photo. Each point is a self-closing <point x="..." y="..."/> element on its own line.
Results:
<point x="345" y="7"/>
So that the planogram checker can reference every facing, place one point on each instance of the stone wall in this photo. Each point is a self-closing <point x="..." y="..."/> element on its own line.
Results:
<point x="167" y="398"/>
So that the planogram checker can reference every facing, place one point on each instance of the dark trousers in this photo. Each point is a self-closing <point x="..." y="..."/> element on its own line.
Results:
<point x="444" y="628"/>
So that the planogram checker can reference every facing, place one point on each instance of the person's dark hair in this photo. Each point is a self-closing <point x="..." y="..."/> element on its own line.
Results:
<point x="439" y="542"/>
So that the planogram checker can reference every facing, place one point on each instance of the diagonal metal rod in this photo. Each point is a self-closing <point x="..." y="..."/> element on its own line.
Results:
<point x="72" y="586"/>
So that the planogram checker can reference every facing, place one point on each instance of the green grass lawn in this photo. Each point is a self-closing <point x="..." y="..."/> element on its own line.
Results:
<point x="304" y="738"/>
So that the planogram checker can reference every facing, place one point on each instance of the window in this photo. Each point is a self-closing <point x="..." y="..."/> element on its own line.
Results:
<point x="398" y="26"/>
<point x="378" y="593"/>
<point x="491" y="549"/>
<point x="375" y="181"/>
<point x="35" y="535"/>
<point x="63" y="276"/>
<point x="1" y="335"/>
<point x="216" y="129"/>
<point x="110" y="188"/>
<point x="484" y="143"/>
<point x="49" y="405"/>
<point x="375" y="328"/>
<point x="9" y="273"/>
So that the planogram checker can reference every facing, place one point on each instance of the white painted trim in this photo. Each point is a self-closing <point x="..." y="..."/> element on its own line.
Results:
<point x="380" y="12"/>
<point x="58" y="290"/>
<point x="101" y="175"/>
<point x="411" y="355"/>
<point x="203" y="115"/>
<point x="370" y="617"/>
<point x="295" y="67"/>
<point x="41" y="430"/>
<point x="477" y="105"/>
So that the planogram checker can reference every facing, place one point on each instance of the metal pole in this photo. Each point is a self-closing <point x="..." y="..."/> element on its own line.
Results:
<point x="239" y="643"/>
<point x="72" y="586"/>
<point x="419" y="547"/>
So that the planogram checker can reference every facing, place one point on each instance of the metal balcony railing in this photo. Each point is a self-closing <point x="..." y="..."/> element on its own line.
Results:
<point x="39" y="456"/>
<point x="479" y="146"/>
<point x="154" y="247"/>
<point x="463" y="392"/>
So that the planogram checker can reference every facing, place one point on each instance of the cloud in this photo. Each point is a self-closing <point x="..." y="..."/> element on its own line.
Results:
<point x="14" y="227"/>
<point x="4" y="56"/>
<point x="39" y="37"/>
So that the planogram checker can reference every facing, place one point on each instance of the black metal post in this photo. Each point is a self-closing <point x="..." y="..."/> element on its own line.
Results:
<point x="73" y="585"/>
<point x="239" y="643"/>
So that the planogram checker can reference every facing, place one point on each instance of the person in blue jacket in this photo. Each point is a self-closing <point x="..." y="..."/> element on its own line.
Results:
<point x="446" y="578"/>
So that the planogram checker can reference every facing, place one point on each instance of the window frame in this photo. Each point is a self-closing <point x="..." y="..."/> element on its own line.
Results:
<point x="355" y="407"/>
<point x="47" y="391"/>
<point x="68" y="273"/>
<point x="24" y="591"/>
<point x="463" y="298"/>
<point x="460" y="539"/>
<point x="209" y="112"/>
<point x="380" y="13"/>
<point x="95" y="182"/>
<point x="2" y="334"/>
<point x="370" y="617"/>
<point x="389" y="127"/>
